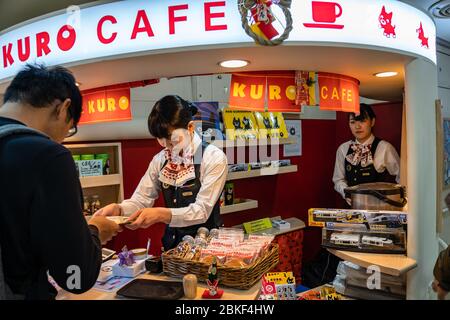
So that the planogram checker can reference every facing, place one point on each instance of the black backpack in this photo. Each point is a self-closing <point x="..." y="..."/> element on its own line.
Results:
<point x="8" y="130"/>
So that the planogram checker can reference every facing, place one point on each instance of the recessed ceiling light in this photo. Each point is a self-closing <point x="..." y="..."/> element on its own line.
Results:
<point x="386" y="74"/>
<point x="233" y="63"/>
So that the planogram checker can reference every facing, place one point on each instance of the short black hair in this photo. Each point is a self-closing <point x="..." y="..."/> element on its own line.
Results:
<point x="39" y="86"/>
<point x="170" y="112"/>
<point x="365" y="112"/>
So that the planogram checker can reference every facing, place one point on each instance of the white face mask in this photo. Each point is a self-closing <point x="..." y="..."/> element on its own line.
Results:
<point x="181" y="141"/>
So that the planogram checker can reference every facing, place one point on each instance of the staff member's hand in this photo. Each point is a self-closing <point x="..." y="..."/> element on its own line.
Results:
<point x="107" y="229"/>
<point x="349" y="201"/>
<point x="112" y="209"/>
<point x="144" y="218"/>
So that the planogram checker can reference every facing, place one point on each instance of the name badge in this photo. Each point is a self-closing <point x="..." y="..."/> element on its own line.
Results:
<point x="187" y="194"/>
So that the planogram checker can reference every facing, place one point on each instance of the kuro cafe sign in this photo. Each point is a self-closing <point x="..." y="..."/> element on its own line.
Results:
<point x="106" y="105"/>
<point x="142" y="27"/>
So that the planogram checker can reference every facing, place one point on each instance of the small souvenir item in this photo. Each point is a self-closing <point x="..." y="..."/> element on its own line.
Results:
<point x="213" y="283"/>
<point x="190" y="286"/>
<point x="126" y="258"/>
<point x="128" y="266"/>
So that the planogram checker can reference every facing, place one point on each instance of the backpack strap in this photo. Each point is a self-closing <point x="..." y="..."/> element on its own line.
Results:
<point x="11" y="129"/>
<point x="5" y="131"/>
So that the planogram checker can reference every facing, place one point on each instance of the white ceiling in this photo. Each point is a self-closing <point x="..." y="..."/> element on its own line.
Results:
<point x="442" y="25"/>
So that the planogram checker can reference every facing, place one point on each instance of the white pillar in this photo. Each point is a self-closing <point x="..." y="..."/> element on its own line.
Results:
<point x="420" y="94"/>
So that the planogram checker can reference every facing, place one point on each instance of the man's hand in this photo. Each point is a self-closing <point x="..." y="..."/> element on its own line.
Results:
<point x="107" y="229"/>
<point x="112" y="209"/>
<point x="441" y="293"/>
<point x="144" y="218"/>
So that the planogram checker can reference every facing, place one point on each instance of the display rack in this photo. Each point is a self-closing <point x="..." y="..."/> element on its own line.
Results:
<point x="252" y="143"/>
<point x="109" y="187"/>
<point x="261" y="172"/>
<point x="241" y="205"/>
<point x="392" y="264"/>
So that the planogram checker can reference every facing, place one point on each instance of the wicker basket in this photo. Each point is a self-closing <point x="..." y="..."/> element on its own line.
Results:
<point x="240" y="278"/>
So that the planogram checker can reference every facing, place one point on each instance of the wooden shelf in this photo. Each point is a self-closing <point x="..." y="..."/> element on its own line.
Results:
<point x="99" y="181"/>
<point x="392" y="264"/>
<point x="261" y="172"/>
<point x="255" y="142"/>
<point x="245" y="204"/>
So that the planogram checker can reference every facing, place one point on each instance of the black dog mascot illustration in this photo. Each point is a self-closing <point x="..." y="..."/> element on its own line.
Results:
<point x="237" y="123"/>
<point x="246" y="123"/>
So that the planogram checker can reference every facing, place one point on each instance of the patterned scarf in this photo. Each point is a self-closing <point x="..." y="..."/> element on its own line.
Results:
<point x="361" y="155"/>
<point x="178" y="169"/>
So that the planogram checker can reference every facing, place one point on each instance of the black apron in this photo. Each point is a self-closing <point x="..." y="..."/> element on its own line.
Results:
<point x="357" y="174"/>
<point x="179" y="197"/>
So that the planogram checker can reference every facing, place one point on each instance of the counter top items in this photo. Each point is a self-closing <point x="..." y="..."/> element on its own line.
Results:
<point x="324" y="292"/>
<point x="241" y="260"/>
<point x="257" y="225"/>
<point x="348" y="238"/>
<point x="353" y="281"/>
<point x="295" y="224"/>
<point x="377" y="196"/>
<point x="128" y="266"/>
<point x="152" y="290"/>
<point x="213" y="291"/>
<point x="190" y="286"/>
<point x="280" y="224"/>
<point x="153" y="264"/>
<point x="278" y="286"/>
<point x="373" y="219"/>
<point x="107" y="254"/>
<point x="373" y="231"/>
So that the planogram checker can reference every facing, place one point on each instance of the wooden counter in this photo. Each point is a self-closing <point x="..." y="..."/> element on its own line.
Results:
<point x="229" y="293"/>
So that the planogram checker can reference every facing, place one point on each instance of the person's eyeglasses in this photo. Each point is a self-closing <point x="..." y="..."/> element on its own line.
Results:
<point x="72" y="131"/>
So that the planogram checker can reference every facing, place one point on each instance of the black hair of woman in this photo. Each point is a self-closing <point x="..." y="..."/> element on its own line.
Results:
<point x="170" y="113"/>
<point x="365" y="112"/>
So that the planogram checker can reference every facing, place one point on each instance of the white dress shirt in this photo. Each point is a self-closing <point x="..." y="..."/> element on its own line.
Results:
<point x="213" y="175"/>
<point x="385" y="158"/>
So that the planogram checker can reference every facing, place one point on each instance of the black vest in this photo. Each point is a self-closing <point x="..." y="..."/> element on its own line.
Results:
<point x="179" y="197"/>
<point x="358" y="174"/>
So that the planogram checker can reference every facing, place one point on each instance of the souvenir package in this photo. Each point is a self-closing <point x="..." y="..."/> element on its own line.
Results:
<point x="348" y="238"/>
<point x="373" y="219"/>
<point x="128" y="266"/>
<point x="284" y="284"/>
<point x="240" y="125"/>
<point x="271" y="125"/>
<point x="237" y="167"/>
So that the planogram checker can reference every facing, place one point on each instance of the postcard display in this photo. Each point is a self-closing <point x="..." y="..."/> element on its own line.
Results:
<point x="369" y="231"/>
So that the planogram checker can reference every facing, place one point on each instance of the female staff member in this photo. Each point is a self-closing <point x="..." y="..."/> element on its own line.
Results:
<point x="366" y="158"/>
<point x="190" y="174"/>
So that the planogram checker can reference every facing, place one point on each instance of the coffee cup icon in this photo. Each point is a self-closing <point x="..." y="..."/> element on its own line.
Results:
<point x="326" y="12"/>
<point x="324" y="15"/>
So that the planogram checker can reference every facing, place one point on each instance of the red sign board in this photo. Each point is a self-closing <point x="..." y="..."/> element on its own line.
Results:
<point x="338" y="92"/>
<point x="249" y="91"/>
<point x="106" y="105"/>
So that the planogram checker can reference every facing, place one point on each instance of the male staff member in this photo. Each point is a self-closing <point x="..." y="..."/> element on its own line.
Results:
<point x="42" y="228"/>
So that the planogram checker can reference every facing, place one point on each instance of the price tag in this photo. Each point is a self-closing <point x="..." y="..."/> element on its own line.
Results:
<point x="257" y="225"/>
